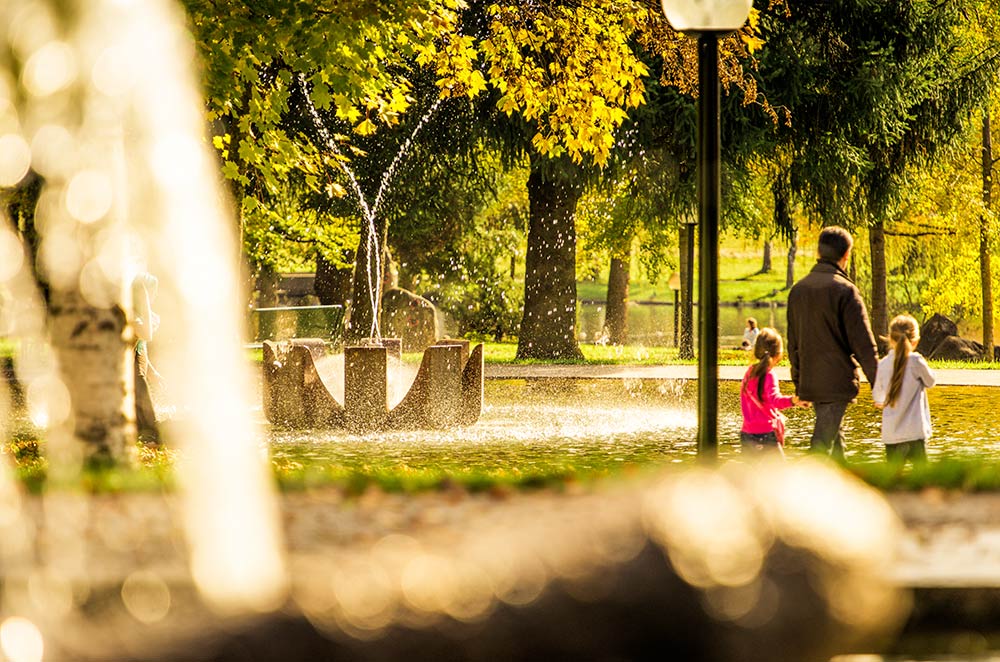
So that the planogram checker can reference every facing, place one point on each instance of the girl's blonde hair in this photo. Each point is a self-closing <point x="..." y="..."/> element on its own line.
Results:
<point x="768" y="344"/>
<point x="903" y="334"/>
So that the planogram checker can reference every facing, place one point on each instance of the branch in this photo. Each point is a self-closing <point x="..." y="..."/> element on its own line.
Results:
<point x="929" y="233"/>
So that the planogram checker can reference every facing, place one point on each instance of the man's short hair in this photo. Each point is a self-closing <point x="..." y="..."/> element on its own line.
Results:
<point x="834" y="242"/>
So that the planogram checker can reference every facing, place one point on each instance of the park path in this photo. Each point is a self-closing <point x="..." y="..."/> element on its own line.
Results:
<point x="945" y="377"/>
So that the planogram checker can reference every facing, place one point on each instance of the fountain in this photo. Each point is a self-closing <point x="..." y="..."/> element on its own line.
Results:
<point x="447" y="389"/>
<point x="718" y="566"/>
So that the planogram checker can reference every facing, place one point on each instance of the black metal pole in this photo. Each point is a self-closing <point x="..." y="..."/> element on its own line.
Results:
<point x="677" y="296"/>
<point x="708" y="244"/>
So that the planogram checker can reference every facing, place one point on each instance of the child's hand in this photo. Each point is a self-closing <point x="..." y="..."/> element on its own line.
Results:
<point x="879" y="405"/>
<point x="800" y="403"/>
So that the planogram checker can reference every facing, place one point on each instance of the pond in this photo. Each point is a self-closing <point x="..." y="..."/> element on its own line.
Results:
<point x="653" y="324"/>
<point x="595" y="425"/>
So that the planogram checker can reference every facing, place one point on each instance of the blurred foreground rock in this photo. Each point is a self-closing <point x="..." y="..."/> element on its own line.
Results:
<point x="762" y="563"/>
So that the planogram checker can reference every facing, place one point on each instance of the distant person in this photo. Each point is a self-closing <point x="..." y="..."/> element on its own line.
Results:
<point x="900" y="391"/>
<point x="144" y="322"/>
<point x="750" y="334"/>
<point x="761" y="399"/>
<point x="829" y="338"/>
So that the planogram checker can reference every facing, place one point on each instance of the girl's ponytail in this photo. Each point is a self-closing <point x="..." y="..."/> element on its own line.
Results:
<point x="768" y="345"/>
<point x="903" y="335"/>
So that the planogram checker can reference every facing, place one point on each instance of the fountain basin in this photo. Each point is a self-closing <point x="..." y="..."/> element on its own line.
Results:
<point x="446" y="392"/>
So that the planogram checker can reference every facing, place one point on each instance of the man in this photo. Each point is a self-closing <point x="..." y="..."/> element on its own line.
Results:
<point x="829" y="337"/>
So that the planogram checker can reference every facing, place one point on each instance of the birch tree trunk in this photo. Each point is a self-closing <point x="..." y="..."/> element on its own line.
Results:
<point x="96" y="365"/>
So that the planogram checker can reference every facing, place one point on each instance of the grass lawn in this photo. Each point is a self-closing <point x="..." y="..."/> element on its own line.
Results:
<point x="155" y="472"/>
<point x="739" y="276"/>
<point x="504" y="353"/>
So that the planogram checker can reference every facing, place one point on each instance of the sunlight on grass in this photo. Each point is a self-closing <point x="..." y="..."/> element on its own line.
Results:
<point x="597" y="354"/>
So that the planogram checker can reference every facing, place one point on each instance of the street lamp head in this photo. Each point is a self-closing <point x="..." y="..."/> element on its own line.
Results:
<point x="675" y="281"/>
<point x="707" y="15"/>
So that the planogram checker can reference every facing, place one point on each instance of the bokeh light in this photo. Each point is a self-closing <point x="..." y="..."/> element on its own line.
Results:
<point x="21" y="641"/>
<point x="15" y="159"/>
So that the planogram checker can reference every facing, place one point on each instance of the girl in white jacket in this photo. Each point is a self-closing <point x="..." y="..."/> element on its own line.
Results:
<point x="900" y="391"/>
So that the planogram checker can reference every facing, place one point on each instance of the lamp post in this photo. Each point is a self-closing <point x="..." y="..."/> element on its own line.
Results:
<point x="675" y="284"/>
<point x="708" y="20"/>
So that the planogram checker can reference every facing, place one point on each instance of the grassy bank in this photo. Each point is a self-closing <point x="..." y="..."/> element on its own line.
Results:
<point x="740" y="276"/>
<point x="154" y="472"/>
<point x="505" y="353"/>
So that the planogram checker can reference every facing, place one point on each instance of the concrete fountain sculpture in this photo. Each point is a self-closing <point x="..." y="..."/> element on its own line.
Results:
<point x="447" y="391"/>
<point x="448" y="388"/>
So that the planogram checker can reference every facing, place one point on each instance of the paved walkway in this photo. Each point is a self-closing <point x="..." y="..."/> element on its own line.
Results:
<point x="949" y="377"/>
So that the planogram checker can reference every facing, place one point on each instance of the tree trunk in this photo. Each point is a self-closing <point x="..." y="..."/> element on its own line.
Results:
<point x="267" y="287"/>
<point x="94" y="359"/>
<point x="616" y="306"/>
<point x="548" y="327"/>
<point x="765" y="265"/>
<point x="21" y="207"/>
<point x="793" y="248"/>
<point x="985" y="267"/>
<point x="685" y="241"/>
<point x="879" y="303"/>
<point x="333" y="284"/>
<point x="366" y="304"/>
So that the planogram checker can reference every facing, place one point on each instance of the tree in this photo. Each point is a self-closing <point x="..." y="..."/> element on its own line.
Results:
<point x="271" y="68"/>
<point x="85" y="316"/>
<point x="568" y="75"/>
<point x="616" y="304"/>
<point x="985" y="235"/>
<point x="874" y="90"/>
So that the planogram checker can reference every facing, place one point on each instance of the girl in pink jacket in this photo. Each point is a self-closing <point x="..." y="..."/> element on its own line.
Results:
<point x="761" y="399"/>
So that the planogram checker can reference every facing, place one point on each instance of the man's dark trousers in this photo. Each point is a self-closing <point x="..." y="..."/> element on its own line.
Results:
<point x="828" y="437"/>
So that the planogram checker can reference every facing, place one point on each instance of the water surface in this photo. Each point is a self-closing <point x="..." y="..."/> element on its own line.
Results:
<point x="594" y="424"/>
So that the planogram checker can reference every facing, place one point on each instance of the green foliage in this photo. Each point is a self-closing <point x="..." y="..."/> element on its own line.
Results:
<point x="286" y="235"/>
<point x="459" y="254"/>
<point x="873" y="90"/>
<point x="8" y="347"/>
<point x="359" y="61"/>
<point x="354" y="481"/>
<point x="573" y="70"/>
<point x="26" y="453"/>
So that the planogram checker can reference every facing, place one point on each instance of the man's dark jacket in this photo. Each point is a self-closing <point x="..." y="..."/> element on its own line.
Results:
<point x="829" y="336"/>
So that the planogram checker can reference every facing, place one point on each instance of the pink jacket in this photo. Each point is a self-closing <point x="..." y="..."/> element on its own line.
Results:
<point x="758" y="414"/>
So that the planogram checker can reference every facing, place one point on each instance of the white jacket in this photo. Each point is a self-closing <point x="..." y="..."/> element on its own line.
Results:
<point x="910" y="418"/>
